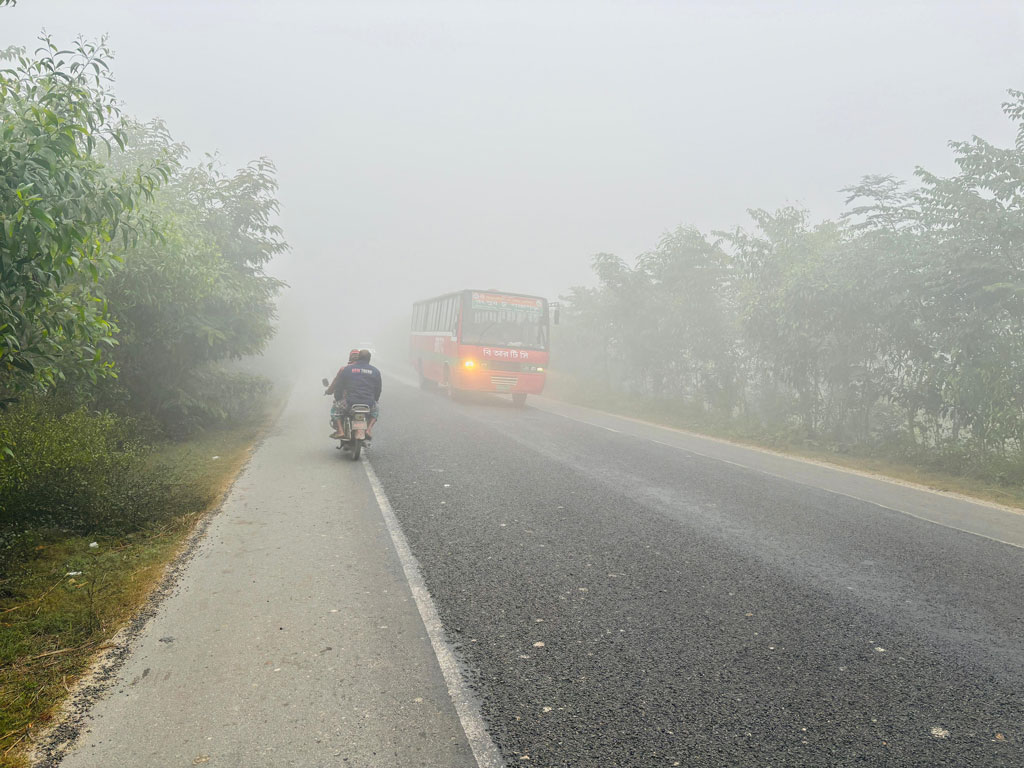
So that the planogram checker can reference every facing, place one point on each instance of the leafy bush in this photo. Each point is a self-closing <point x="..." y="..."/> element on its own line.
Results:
<point x="77" y="471"/>
<point x="212" y="396"/>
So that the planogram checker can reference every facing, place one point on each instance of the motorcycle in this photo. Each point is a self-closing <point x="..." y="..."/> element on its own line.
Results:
<point x="353" y="424"/>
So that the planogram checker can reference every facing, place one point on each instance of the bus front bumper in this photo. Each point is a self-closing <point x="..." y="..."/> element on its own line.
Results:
<point x="507" y="382"/>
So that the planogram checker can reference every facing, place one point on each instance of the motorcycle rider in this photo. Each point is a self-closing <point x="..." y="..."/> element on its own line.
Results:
<point x="359" y="383"/>
<point x="338" y="406"/>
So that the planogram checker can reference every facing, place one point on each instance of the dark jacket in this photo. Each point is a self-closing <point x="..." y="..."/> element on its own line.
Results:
<point x="357" y="383"/>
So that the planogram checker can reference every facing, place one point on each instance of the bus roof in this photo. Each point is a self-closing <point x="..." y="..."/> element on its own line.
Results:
<point x="481" y="290"/>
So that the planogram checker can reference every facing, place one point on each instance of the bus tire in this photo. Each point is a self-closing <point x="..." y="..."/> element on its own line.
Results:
<point x="424" y="381"/>
<point x="519" y="399"/>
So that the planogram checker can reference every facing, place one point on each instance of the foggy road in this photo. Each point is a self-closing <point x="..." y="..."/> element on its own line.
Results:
<point x="800" y="218"/>
<point x="616" y="601"/>
<point x="695" y="612"/>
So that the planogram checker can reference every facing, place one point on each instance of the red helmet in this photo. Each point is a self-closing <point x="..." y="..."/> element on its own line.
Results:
<point x="353" y="355"/>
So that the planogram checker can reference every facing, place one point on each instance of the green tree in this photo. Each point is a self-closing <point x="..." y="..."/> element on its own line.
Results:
<point x="901" y="325"/>
<point x="973" y="287"/>
<point x="786" y="308"/>
<point x="60" y="211"/>
<point x="198" y="294"/>
<point x="689" y="309"/>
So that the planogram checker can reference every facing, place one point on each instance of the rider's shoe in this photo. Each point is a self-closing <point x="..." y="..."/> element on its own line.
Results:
<point x="336" y="435"/>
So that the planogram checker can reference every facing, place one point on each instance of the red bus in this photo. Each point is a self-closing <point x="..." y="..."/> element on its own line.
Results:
<point x="484" y="341"/>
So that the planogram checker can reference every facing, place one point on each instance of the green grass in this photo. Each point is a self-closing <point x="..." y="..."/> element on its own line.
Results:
<point x="989" y="478"/>
<point x="52" y="624"/>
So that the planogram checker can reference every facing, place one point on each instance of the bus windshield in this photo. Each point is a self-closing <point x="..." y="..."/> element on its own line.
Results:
<point x="501" y="320"/>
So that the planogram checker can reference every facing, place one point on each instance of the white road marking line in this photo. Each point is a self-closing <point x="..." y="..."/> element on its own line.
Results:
<point x="486" y="754"/>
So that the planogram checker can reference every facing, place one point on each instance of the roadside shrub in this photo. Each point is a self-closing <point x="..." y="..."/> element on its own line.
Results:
<point x="213" y="397"/>
<point x="75" y="471"/>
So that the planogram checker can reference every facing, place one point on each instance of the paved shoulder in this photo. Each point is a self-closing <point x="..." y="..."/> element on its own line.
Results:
<point x="293" y="639"/>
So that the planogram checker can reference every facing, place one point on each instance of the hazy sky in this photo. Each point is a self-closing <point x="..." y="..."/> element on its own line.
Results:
<point x="430" y="146"/>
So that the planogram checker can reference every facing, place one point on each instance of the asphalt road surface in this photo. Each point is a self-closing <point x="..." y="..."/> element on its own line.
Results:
<point x="618" y="595"/>
<point x="622" y="602"/>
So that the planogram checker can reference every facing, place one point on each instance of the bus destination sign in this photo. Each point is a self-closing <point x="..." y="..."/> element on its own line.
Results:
<point x="503" y="301"/>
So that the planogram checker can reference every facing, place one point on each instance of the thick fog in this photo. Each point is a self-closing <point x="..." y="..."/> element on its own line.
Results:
<point x="424" y="147"/>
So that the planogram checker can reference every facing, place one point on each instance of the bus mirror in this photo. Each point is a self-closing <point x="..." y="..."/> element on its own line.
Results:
<point x="325" y="382"/>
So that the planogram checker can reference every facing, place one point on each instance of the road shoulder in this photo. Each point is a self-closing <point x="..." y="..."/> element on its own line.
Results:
<point x="291" y="638"/>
